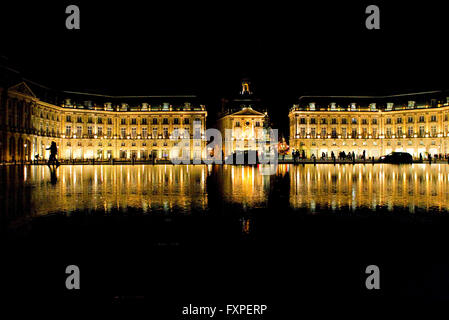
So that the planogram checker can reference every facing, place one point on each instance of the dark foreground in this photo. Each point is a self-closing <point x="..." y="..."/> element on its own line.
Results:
<point x="159" y="262"/>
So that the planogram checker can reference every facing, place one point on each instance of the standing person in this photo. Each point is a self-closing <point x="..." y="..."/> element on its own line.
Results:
<point x="53" y="152"/>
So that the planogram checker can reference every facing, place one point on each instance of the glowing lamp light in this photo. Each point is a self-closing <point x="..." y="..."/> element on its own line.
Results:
<point x="370" y="137"/>
<point x="393" y="136"/>
<point x="328" y="136"/>
<point x="308" y="136"/>
<point x="95" y="136"/>
<point x="339" y="136"/>
<point x="63" y="136"/>
<point x="349" y="136"/>
<point x="404" y="136"/>
<point x="128" y="137"/>
<point x="427" y="135"/>
<point x="318" y="136"/>
<point x="360" y="137"/>
<point x="74" y="136"/>
<point x="415" y="135"/>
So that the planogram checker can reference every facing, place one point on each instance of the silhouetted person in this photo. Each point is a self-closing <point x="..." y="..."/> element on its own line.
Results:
<point x="53" y="152"/>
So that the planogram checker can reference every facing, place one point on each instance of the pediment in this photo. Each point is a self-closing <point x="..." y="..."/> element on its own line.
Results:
<point x="22" y="88"/>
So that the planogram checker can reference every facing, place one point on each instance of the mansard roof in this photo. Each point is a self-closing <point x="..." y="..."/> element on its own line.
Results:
<point x="418" y="99"/>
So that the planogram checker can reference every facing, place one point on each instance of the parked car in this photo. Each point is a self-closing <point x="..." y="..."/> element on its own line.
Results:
<point x="397" y="157"/>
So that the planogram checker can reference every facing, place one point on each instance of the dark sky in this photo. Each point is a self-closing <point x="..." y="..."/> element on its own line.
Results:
<point x="287" y="48"/>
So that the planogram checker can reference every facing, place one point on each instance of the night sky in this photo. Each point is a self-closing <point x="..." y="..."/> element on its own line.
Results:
<point x="287" y="49"/>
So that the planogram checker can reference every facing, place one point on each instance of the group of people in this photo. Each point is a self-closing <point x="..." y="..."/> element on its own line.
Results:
<point x="301" y="155"/>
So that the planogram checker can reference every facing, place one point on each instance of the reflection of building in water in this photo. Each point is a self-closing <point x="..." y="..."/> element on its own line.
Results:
<point x="107" y="128"/>
<point x="160" y="187"/>
<point x="413" y="123"/>
<point x="328" y="186"/>
<point x="243" y="119"/>
<point x="243" y="185"/>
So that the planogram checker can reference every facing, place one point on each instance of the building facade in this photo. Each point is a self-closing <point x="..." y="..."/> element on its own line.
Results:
<point x="242" y="122"/>
<point x="107" y="130"/>
<point x="414" y="123"/>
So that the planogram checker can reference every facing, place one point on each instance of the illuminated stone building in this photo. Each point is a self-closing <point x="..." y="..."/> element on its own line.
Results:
<point x="99" y="127"/>
<point x="414" y="123"/>
<point x="242" y="121"/>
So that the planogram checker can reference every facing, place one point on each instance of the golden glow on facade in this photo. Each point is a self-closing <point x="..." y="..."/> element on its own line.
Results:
<point x="241" y="130"/>
<point x="93" y="132"/>
<point x="419" y="130"/>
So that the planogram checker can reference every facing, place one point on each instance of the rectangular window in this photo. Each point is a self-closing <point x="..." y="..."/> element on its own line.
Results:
<point x="410" y="131"/>
<point x="399" y="131"/>
<point x="433" y="130"/>
<point x="134" y="132"/>
<point x="144" y="121"/>
<point x="323" y="132"/>
<point x="344" y="121"/>
<point x="364" y="132"/>
<point x="123" y="121"/>
<point x="154" y="120"/>
<point x="100" y="131"/>
<point x="68" y="131"/>
<point x="312" y="121"/>
<point x="433" y="118"/>
<point x="422" y="119"/>
<point x="89" y="130"/>
<point x="123" y="132"/>
<point x="343" y="132"/>
<point x="313" y="132"/>
<point x="144" y="132"/>
<point x="165" y="132"/>
<point x="388" y="121"/>
<point x="422" y="131"/>
<point x="109" y="132"/>
<point x="302" y="120"/>
<point x="79" y="131"/>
